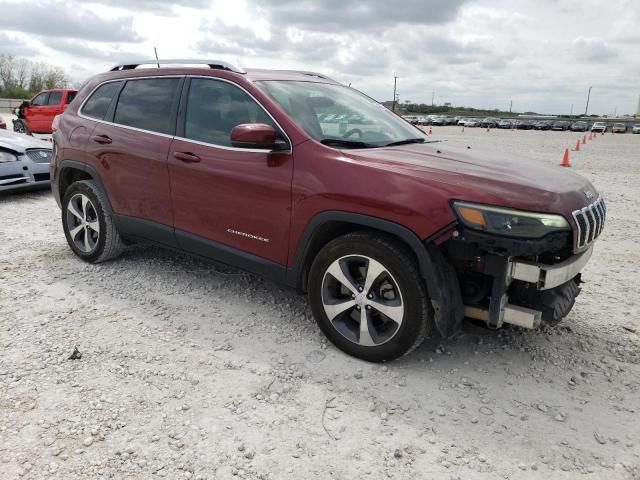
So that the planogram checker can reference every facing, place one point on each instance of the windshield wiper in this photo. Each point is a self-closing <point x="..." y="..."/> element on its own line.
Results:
<point x="339" y="142"/>
<point x="405" y="142"/>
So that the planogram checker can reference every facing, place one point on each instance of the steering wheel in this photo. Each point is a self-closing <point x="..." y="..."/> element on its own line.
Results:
<point x="353" y="132"/>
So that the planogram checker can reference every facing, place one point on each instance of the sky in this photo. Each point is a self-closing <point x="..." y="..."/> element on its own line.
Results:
<point x="542" y="55"/>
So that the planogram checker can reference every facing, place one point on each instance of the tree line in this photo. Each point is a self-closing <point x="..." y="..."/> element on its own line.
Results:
<point x="22" y="78"/>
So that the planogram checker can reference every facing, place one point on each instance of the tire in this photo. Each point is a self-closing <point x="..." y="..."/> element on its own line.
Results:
<point x="555" y="303"/>
<point x="95" y="238"/>
<point x="394" y="285"/>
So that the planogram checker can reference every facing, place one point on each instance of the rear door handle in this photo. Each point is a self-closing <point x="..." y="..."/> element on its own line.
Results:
<point x="186" y="157"/>
<point x="102" y="139"/>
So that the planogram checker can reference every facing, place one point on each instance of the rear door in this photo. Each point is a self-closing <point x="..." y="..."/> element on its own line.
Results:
<point x="34" y="115"/>
<point x="130" y="148"/>
<point x="222" y="195"/>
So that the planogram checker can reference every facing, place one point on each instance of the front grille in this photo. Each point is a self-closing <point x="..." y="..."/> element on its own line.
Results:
<point x="590" y="222"/>
<point x="39" y="155"/>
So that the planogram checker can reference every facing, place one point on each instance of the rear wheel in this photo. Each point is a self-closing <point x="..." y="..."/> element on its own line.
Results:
<point x="87" y="224"/>
<point x="368" y="296"/>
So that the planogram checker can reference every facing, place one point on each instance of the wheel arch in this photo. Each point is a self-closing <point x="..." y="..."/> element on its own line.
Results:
<point x="439" y="276"/>
<point x="72" y="171"/>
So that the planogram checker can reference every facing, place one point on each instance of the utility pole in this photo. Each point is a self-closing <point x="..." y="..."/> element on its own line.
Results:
<point x="395" y="84"/>
<point x="510" y="105"/>
<point x="588" y="97"/>
<point x="571" y="114"/>
<point x="433" y="95"/>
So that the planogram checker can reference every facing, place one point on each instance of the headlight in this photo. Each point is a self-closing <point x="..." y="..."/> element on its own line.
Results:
<point x="7" y="157"/>
<point x="508" y="222"/>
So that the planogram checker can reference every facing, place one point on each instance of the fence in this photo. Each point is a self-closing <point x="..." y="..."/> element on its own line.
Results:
<point x="8" y="104"/>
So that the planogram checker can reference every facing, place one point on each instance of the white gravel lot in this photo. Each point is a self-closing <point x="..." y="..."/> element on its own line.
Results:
<point x="192" y="370"/>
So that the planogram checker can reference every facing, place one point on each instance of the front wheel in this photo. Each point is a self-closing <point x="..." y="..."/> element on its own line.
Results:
<point x="368" y="297"/>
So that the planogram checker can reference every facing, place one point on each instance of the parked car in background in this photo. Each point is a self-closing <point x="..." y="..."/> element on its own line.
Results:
<point x="40" y="111"/>
<point x="439" y="121"/>
<point x="636" y="128"/>
<point x="579" y="126"/>
<point x="599" y="127"/>
<point x="472" y="122"/>
<point x="542" y="125"/>
<point x="391" y="240"/>
<point x="506" y="123"/>
<point x="489" y="122"/>
<point x="524" y="124"/>
<point x="3" y="124"/>
<point x="560" y="125"/>
<point x="24" y="162"/>
<point x="619" y="128"/>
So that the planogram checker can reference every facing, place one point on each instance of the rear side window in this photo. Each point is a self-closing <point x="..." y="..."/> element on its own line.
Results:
<point x="98" y="103"/>
<point x="40" y="100"/>
<point x="54" y="98"/>
<point x="71" y="96"/>
<point x="215" y="107"/>
<point x="146" y="104"/>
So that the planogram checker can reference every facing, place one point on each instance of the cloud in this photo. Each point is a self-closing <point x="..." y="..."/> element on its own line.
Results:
<point x="159" y="7"/>
<point x="592" y="49"/>
<point x="57" y="19"/>
<point x="337" y="15"/>
<point x="92" y="50"/>
<point x="17" y="46"/>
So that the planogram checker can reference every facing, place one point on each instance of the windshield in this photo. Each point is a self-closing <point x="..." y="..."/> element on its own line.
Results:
<point x="340" y="116"/>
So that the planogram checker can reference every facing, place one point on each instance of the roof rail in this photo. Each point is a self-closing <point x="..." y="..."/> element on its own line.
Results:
<point x="215" y="64"/>
<point x="301" y="72"/>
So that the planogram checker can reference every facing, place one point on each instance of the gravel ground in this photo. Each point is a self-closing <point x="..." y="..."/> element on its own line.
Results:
<point x="194" y="370"/>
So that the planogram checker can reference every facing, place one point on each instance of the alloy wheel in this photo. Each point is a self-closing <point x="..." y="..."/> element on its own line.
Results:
<point x="362" y="300"/>
<point x="82" y="223"/>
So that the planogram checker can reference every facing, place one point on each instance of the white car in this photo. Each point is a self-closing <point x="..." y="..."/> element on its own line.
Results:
<point x="24" y="161"/>
<point x="599" y="127"/>
<point x="636" y="128"/>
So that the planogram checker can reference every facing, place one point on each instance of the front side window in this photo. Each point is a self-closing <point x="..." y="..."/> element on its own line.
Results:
<point x="40" y="100"/>
<point x="71" y="96"/>
<point x="54" y="98"/>
<point x="98" y="104"/>
<point x="340" y="116"/>
<point x="214" y="107"/>
<point x="146" y="104"/>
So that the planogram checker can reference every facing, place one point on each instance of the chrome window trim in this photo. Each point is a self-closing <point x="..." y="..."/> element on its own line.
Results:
<point x="223" y="147"/>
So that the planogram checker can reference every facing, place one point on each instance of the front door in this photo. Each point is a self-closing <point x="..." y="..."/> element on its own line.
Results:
<point x="35" y="114"/>
<point x="233" y="197"/>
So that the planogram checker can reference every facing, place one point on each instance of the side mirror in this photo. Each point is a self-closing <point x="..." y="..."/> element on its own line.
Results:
<point x="255" y="135"/>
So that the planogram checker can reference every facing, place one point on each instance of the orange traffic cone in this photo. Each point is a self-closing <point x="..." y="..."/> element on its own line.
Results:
<point x="462" y="128"/>
<point x="565" y="159"/>
<point x="488" y="129"/>
<point x="430" y="131"/>
<point x="584" y="140"/>
<point x="577" y="149"/>
<point x="602" y="133"/>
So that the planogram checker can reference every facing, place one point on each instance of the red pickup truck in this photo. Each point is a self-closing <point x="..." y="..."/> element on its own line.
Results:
<point x="42" y="109"/>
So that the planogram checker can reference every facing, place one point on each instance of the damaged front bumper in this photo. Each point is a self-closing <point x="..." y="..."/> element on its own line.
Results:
<point x="539" y="276"/>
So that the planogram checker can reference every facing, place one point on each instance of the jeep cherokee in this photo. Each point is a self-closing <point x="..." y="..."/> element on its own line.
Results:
<point x="392" y="236"/>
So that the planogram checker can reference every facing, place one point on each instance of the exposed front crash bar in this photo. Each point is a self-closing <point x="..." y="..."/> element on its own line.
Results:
<point x="548" y="276"/>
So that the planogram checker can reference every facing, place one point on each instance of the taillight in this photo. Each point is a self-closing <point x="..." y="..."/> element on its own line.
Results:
<point x="55" y="123"/>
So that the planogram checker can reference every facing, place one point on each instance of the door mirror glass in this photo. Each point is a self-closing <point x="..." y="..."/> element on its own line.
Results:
<point x="254" y="135"/>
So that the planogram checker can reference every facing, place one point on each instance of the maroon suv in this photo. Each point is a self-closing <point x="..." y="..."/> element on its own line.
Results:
<point x="311" y="183"/>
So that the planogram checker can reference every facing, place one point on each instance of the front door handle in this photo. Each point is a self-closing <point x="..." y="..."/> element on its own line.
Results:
<point x="186" y="157"/>
<point x="102" y="139"/>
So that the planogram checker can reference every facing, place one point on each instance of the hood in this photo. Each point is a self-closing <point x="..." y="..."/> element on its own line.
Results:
<point x="19" y="142"/>
<point x="481" y="176"/>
